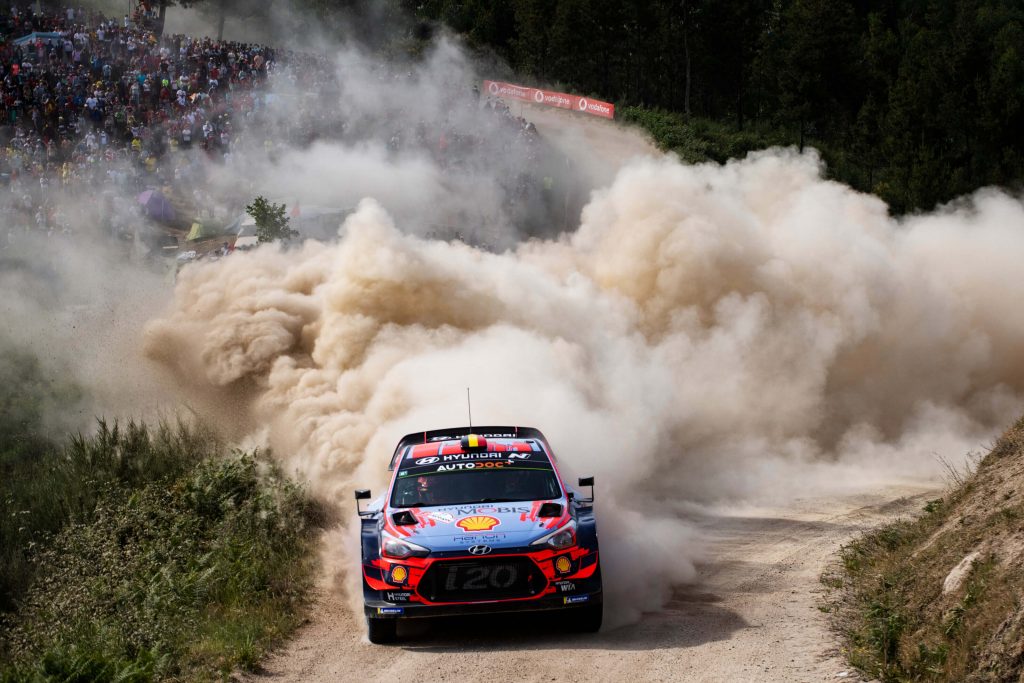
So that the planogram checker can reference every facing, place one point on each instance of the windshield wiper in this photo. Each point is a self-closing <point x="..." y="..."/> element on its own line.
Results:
<point x="501" y="500"/>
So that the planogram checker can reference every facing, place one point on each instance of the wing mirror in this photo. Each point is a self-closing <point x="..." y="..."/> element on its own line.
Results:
<point x="587" y="481"/>
<point x="362" y="494"/>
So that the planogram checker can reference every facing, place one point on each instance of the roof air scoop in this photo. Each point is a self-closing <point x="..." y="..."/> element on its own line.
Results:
<point x="550" y="510"/>
<point x="404" y="518"/>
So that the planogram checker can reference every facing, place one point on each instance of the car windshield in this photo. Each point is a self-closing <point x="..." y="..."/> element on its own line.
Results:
<point x="462" y="487"/>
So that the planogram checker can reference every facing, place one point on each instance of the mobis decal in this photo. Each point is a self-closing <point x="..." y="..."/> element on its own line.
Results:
<point x="461" y="511"/>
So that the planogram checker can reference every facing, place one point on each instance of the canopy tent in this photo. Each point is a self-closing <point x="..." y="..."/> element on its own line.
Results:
<point x="48" y="38"/>
<point x="156" y="205"/>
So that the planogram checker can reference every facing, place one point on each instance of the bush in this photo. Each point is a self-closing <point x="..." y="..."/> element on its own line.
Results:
<point x="271" y="223"/>
<point x="57" y="485"/>
<point x="188" y="574"/>
<point x="698" y="140"/>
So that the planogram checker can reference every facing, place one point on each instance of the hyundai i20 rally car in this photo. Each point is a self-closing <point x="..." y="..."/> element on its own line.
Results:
<point x="478" y="521"/>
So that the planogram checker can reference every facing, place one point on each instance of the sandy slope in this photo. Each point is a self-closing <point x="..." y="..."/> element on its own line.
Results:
<point x="751" y="617"/>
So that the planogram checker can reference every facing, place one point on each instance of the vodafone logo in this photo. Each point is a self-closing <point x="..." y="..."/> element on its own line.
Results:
<point x="549" y="98"/>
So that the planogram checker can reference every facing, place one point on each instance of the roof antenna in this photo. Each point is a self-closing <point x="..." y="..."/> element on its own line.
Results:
<point x="469" y="405"/>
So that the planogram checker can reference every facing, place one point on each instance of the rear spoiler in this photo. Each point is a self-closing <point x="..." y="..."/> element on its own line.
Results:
<point x="456" y="432"/>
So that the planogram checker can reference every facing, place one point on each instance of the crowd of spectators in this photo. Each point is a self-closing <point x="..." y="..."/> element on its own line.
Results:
<point x="97" y="109"/>
<point x="89" y="102"/>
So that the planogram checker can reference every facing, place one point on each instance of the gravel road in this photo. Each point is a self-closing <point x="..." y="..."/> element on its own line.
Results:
<point x="751" y="616"/>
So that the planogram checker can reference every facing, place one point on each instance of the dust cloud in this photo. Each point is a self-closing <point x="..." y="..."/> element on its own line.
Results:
<point x="709" y="333"/>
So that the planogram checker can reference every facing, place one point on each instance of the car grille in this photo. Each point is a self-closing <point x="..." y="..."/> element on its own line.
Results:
<point x="491" y="578"/>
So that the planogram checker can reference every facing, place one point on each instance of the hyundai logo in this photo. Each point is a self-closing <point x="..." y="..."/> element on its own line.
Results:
<point x="479" y="549"/>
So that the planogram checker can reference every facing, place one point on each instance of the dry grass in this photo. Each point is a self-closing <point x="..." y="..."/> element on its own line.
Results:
<point x="886" y="593"/>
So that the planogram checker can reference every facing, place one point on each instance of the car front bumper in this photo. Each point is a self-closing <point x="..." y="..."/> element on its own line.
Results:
<point x="383" y="609"/>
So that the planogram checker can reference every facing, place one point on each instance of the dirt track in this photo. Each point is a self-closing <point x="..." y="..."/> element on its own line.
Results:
<point x="751" y="617"/>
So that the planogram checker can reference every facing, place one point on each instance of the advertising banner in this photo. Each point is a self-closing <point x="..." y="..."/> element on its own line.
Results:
<point x="584" y="105"/>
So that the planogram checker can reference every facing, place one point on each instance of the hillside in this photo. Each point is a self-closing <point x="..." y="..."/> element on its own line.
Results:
<point x="939" y="598"/>
<point x="916" y="102"/>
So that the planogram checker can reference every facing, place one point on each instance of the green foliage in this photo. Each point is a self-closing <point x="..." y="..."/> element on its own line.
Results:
<point x="186" y="577"/>
<point x="918" y="102"/>
<point x="58" y="486"/>
<point x="271" y="223"/>
<point x="885" y="628"/>
<point x="697" y="140"/>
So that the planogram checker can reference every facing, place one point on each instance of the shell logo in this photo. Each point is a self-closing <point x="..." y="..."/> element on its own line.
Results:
<point x="477" y="523"/>
<point x="399" y="574"/>
<point x="563" y="564"/>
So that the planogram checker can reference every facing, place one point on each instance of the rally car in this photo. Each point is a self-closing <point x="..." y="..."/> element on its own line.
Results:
<point x="478" y="520"/>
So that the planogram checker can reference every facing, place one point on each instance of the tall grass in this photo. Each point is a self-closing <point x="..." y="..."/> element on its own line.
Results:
<point x="148" y="554"/>
<point x="48" y="487"/>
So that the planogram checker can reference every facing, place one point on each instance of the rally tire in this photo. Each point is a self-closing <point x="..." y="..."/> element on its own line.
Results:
<point x="381" y="631"/>
<point x="587" y="619"/>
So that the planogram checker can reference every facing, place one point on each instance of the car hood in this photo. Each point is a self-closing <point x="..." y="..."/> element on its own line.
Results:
<point x="499" y="525"/>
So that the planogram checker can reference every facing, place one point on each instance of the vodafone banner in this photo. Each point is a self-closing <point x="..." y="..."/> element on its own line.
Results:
<point x="584" y="105"/>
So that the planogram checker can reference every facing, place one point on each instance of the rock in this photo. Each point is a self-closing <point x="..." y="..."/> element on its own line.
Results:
<point x="956" y="577"/>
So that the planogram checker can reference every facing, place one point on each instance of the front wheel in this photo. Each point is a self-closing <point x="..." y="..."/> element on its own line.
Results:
<point x="382" y="631"/>
<point x="587" y="619"/>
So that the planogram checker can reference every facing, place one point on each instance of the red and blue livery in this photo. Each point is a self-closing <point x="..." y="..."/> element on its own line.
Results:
<point x="478" y="520"/>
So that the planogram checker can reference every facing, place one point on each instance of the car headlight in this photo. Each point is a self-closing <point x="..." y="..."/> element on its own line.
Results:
<point x="559" y="538"/>
<point x="399" y="549"/>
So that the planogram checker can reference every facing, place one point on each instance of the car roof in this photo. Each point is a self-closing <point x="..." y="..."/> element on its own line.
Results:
<point x="440" y="438"/>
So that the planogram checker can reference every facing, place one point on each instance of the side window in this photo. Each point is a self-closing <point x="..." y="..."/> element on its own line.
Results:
<point x="552" y="485"/>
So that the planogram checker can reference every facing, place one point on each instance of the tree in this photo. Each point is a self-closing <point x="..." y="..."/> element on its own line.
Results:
<point x="816" y="74"/>
<point x="531" y="45"/>
<point x="271" y="223"/>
